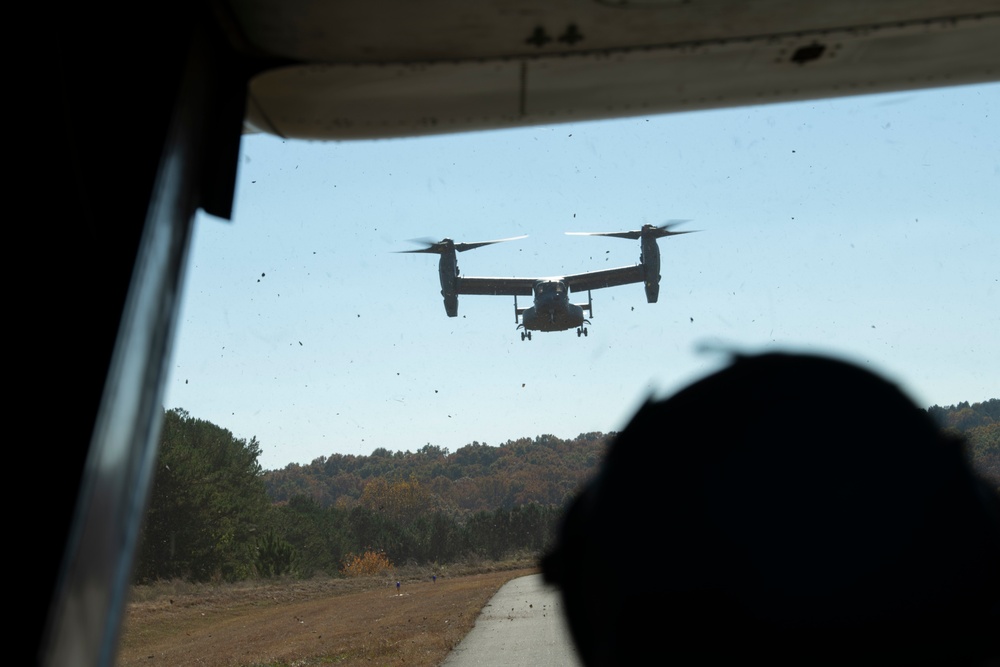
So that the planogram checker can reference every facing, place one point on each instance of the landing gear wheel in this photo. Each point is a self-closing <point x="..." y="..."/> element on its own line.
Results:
<point x="581" y="331"/>
<point x="525" y="334"/>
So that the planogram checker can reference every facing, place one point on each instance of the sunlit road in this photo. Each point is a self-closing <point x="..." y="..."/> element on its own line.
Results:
<point x="522" y="625"/>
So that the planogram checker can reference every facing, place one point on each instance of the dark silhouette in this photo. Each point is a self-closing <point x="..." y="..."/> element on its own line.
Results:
<point x="788" y="509"/>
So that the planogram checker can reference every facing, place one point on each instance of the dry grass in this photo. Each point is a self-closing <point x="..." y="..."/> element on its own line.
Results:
<point x="360" y="621"/>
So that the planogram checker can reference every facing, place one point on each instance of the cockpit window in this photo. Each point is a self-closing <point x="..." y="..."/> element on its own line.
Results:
<point x="550" y="287"/>
<point x="862" y="226"/>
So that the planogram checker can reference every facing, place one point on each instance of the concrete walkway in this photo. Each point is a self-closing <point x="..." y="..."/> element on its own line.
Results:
<point x="523" y="625"/>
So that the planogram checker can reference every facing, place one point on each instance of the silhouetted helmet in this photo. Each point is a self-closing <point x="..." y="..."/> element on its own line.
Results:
<point x="791" y="509"/>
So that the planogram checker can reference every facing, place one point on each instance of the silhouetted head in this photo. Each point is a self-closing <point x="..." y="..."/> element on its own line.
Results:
<point x="787" y="509"/>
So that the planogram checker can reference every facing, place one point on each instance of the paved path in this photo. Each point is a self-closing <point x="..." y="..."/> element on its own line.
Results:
<point x="522" y="626"/>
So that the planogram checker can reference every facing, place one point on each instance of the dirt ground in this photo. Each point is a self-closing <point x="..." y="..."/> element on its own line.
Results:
<point x="342" y="622"/>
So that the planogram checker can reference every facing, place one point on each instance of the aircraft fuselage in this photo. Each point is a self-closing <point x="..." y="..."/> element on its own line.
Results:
<point x="552" y="310"/>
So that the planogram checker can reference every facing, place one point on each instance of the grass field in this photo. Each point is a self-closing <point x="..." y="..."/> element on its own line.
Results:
<point x="322" y="621"/>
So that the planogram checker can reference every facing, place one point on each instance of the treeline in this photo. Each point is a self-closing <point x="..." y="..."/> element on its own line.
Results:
<point x="979" y="424"/>
<point x="214" y="514"/>
<point x="545" y="470"/>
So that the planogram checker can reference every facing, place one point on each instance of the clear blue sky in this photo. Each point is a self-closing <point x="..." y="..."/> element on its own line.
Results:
<point x="865" y="227"/>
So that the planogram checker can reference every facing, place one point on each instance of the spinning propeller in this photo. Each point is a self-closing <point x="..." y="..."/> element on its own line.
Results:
<point x="448" y="266"/>
<point x="650" y="256"/>
<point x="647" y="231"/>
<point x="446" y="245"/>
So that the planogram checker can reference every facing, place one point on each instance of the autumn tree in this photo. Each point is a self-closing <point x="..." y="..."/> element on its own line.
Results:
<point x="402" y="500"/>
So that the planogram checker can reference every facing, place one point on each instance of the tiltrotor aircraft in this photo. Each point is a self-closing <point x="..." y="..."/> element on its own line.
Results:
<point x="552" y="309"/>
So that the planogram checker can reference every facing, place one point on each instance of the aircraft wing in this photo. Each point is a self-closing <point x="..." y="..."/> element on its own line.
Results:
<point x="625" y="275"/>
<point x="497" y="286"/>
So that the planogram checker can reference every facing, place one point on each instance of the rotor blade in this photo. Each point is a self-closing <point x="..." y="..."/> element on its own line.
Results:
<point x="663" y="233"/>
<point x="433" y="249"/>
<point x="462" y="247"/>
<point x="436" y="247"/>
<point x="439" y="247"/>
<point x="619" y="235"/>
<point x="647" y="230"/>
<point x="666" y="229"/>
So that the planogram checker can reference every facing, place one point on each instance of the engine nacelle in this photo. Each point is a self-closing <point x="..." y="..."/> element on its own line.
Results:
<point x="652" y="289"/>
<point x="448" y="272"/>
<point x="650" y="259"/>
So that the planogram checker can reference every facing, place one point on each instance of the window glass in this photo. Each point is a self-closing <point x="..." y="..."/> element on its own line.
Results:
<point x="865" y="226"/>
